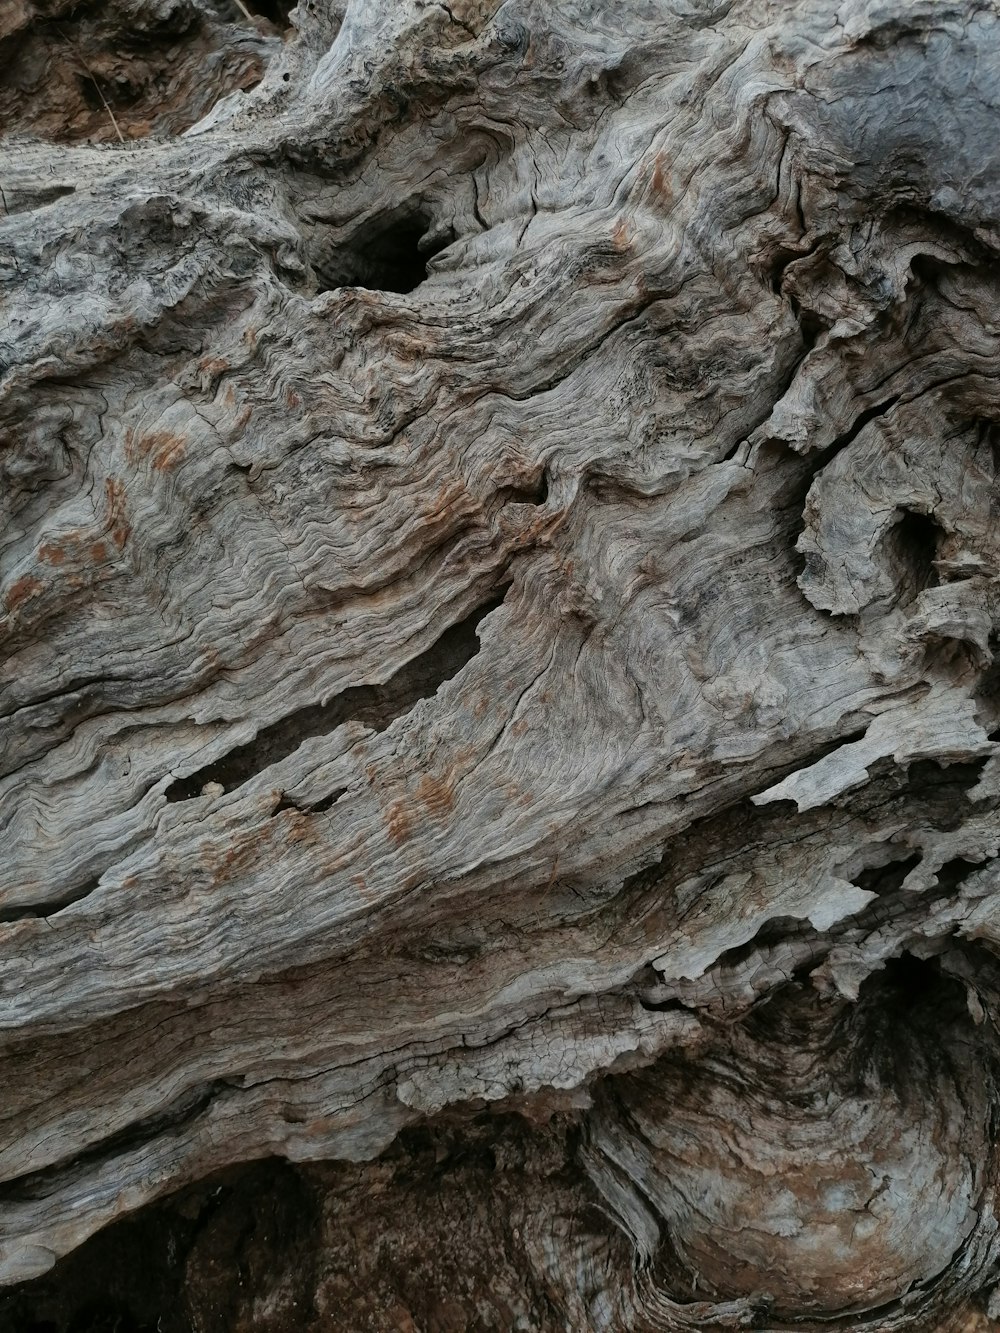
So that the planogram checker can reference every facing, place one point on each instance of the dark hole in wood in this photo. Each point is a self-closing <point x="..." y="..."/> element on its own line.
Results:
<point x="535" y="493"/>
<point x="275" y="11"/>
<point x="916" y="538"/>
<point x="903" y="1011"/>
<point x="953" y="872"/>
<point x="204" y="1259"/>
<point x="913" y="979"/>
<point x="887" y="878"/>
<point x="394" y="259"/>
<point x="250" y="1238"/>
<point x="106" y="1316"/>
<point x="987" y="693"/>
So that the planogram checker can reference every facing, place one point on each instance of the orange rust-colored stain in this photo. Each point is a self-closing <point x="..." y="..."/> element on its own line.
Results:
<point x="292" y="398"/>
<point x="213" y="365"/>
<point x="21" y="590"/>
<point x="620" y="236"/>
<point x="165" y="449"/>
<point x="168" y="454"/>
<point x="243" y="418"/>
<point x="660" y="184"/>
<point x="239" y="856"/>
<point x="98" y="552"/>
<point x="400" y="823"/>
<point x="121" y="528"/>
<point x="52" y="553"/>
<point x="436" y="794"/>
<point x="361" y="884"/>
<point x="302" y="829"/>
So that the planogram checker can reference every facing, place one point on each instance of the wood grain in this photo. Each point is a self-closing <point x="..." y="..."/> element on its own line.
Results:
<point x="499" y="588"/>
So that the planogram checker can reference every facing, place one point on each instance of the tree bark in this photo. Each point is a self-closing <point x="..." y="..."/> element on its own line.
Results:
<point x="499" y="588"/>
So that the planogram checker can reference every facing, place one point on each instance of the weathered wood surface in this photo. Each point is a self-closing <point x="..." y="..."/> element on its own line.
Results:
<point x="561" y="679"/>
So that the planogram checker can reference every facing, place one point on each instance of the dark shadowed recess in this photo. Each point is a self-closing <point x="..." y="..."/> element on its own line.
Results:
<point x="916" y="538"/>
<point x="104" y="71"/>
<point x="374" y="706"/>
<point x="443" y="1232"/>
<point x="435" y="1235"/>
<point x="391" y="255"/>
<point x="275" y="11"/>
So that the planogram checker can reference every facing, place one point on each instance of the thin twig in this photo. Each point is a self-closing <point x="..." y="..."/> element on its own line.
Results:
<point x="93" y="79"/>
<point x="243" y="10"/>
<point x="104" y="100"/>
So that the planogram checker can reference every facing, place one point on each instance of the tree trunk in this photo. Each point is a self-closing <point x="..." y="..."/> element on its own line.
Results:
<point x="499" y="588"/>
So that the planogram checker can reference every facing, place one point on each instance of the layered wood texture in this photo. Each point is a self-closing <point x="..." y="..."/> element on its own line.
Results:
<point x="499" y="588"/>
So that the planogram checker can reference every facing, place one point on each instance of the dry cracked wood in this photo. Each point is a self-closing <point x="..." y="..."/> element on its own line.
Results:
<point x="499" y="586"/>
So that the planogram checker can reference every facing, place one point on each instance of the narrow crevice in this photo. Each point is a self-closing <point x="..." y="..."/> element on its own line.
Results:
<point x="809" y="332"/>
<point x="811" y="326"/>
<point x="309" y="807"/>
<point x="881" y="409"/>
<point x="42" y="911"/>
<point x="776" y="930"/>
<point x="993" y="438"/>
<point x="780" y="260"/>
<point x="37" y="196"/>
<point x="670" y="1006"/>
<point x="318" y="807"/>
<point x="179" y="1114"/>
<point x="742" y="818"/>
<point x="374" y="706"/>
<point x="796" y="503"/>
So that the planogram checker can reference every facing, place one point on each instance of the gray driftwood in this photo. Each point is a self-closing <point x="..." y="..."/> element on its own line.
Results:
<point x="499" y="587"/>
